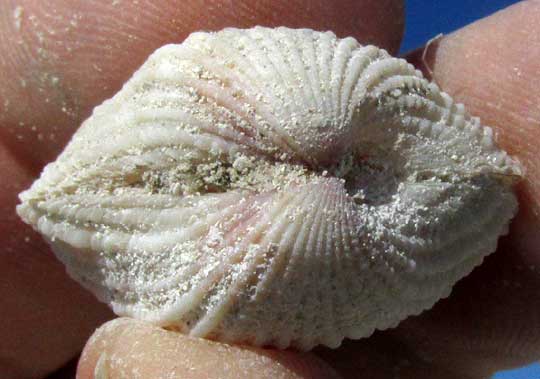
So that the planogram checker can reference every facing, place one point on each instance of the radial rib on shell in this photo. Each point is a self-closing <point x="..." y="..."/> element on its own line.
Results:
<point x="274" y="187"/>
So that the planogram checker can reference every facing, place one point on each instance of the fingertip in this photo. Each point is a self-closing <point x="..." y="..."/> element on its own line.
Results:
<point x="493" y="67"/>
<point x="127" y="347"/>
<point x="94" y="358"/>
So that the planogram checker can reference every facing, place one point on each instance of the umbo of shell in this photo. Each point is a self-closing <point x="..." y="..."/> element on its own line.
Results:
<point x="274" y="187"/>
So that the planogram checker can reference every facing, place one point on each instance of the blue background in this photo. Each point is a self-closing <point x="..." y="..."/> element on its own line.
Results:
<point x="425" y="19"/>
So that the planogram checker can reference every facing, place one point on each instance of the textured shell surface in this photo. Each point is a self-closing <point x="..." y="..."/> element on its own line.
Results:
<point x="274" y="187"/>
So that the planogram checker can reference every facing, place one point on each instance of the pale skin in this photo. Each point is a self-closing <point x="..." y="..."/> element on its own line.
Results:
<point x="59" y="59"/>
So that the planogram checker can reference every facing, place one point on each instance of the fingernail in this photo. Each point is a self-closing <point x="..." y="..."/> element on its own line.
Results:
<point x="101" y="371"/>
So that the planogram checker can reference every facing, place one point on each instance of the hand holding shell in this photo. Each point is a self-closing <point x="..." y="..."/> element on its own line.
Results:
<point x="274" y="187"/>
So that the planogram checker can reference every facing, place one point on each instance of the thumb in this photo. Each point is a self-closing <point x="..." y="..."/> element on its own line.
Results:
<point x="127" y="348"/>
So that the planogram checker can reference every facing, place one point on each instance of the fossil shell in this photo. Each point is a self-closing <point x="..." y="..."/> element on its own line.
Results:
<point x="274" y="187"/>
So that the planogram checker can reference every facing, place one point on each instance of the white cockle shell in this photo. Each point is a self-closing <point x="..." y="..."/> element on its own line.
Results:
<point x="274" y="187"/>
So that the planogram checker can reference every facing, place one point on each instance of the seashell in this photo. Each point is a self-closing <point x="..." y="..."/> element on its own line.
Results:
<point x="274" y="187"/>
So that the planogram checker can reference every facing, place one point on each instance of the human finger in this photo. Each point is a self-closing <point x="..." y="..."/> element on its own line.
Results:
<point x="60" y="59"/>
<point x="492" y="319"/>
<point x="127" y="348"/>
